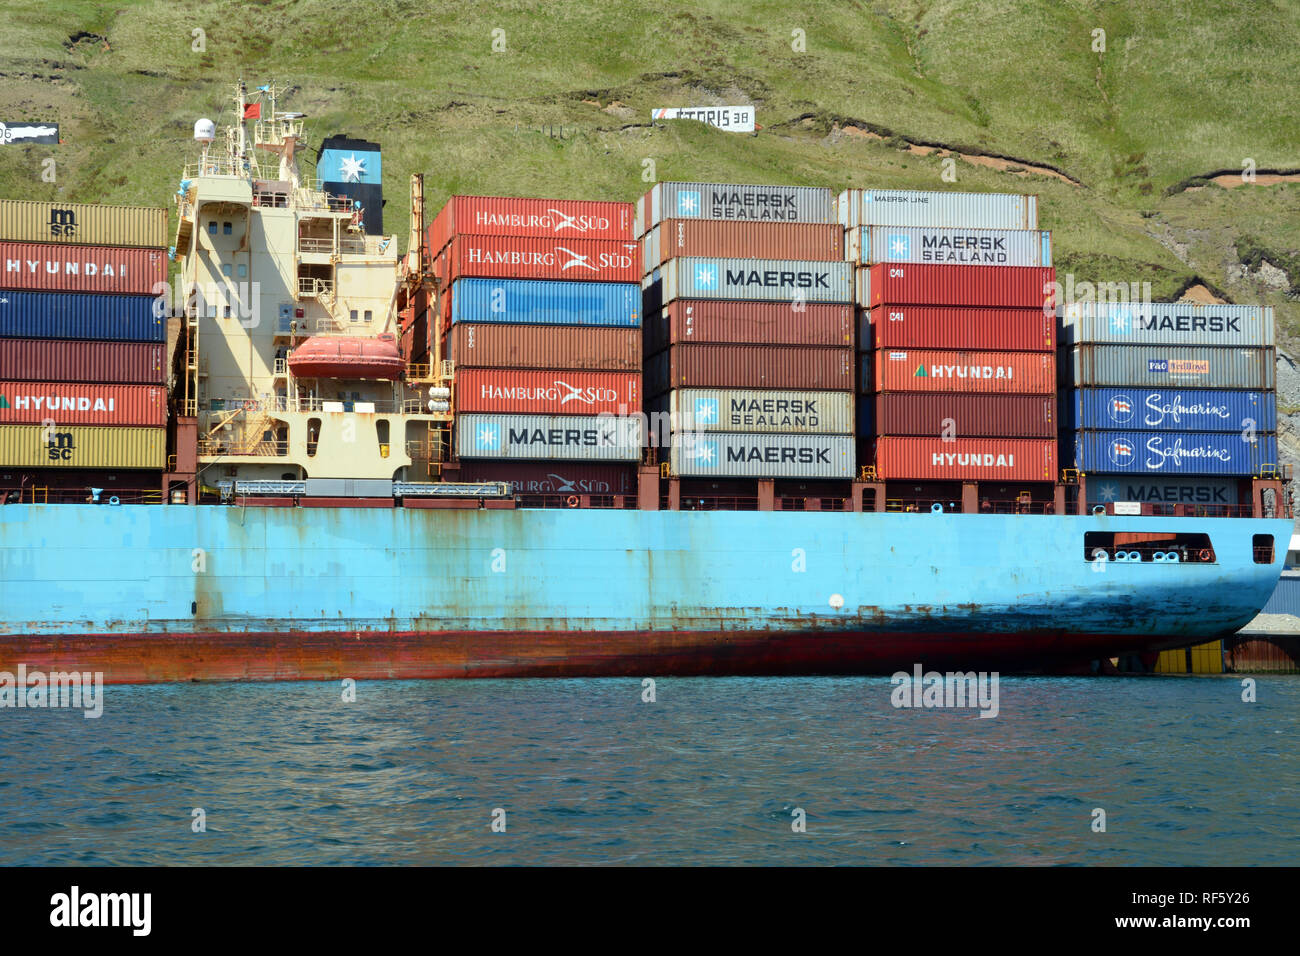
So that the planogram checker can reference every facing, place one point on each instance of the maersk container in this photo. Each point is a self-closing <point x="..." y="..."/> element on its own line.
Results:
<point x="966" y="416"/>
<point x="749" y="203"/>
<point x="553" y="477"/>
<point x="908" y="370"/>
<point x="758" y="410"/>
<point x="716" y="321"/>
<point x="1174" y="453"/>
<point x="539" y="302"/>
<point x="49" y="360"/>
<point x="716" y="239"/>
<point x="941" y="327"/>
<point x="731" y="455"/>
<point x="525" y="257"/>
<point x="1165" y="409"/>
<point x="749" y="366"/>
<point x="996" y="286"/>
<point x="1155" y="366"/>
<point x="24" y="220"/>
<point x="966" y="459"/>
<point x="549" y="437"/>
<point x="514" y="216"/>
<point x="868" y="245"/>
<point x="44" y="266"/>
<point x="1189" y="490"/>
<point x="79" y="315"/>
<point x="757" y="280"/>
<point x="1167" y="323"/>
<point x="907" y="207"/>
<point x="517" y="391"/>
<point x="566" y="348"/>
<point x="40" y="402"/>
<point x="82" y="446"/>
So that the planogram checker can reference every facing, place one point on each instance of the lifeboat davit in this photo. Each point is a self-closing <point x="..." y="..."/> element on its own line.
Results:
<point x="347" y="356"/>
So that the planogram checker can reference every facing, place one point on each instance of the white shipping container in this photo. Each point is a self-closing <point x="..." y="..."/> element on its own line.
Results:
<point x="730" y="455"/>
<point x="1166" y="323"/>
<point x="549" y="437"/>
<point x="747" y="203"/>
<point x="759" y="410"/>
<point x="907" y="207"/>
<point x="868" y="245"/>
<point x="756" y="280"/>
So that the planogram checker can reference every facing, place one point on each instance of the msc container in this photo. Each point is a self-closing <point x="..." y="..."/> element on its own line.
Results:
<point x="728" y="201"/>
<point x="757" y="280"/>
<point x="79" y="315"/>
<point x="1163" y="366"/>
<point x="82" y="446"/>
<point x="47" y="267"/>
<point x="551" y="437"/>
<point x="966" y="416"/>
<point x="1024" y="373"/>
<point x="38" y="403"/>
<point x="966" y="459"/>
<point x="716" y="239"/>
<point x="748" y="366"/>
<point x="999" y="286"/>
<point x="868" y="245"/>
<point x="513" y="216"/>
<point x="908" y="207"/>
<point x="553" y="477"/>
<point x="1178" y="409"/>
<point x="935" y="327"/>
<point x="1179" y="453"/>
<point x="548" y="393"/>
<point x="542" y="346"/>
<point x="758" y="410"/>
<point x="747" y="323"/>
<point x="726" y="455"/>
<point x="1163" y="323"/>
<point x="534" y="302"/>
<point x="46" y="360"/>
<point x="522" y="257"/>
<point x="24" y="220"/>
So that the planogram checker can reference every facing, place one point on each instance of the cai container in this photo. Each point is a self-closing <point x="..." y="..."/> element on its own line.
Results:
<point x="948" y="327"/>
<point x="553" y="477"/>
<point x="908" y="207"/>
<point x="739" y="203"/>
<point x="743" y="455"/>
<point x="549" y="437"/>
<point x="966" y="459"/>
<point x="516" y="216"/>
<point x="1173" y="453"/>
<point x="531" y="392"/>
<point x="1167" y="323"/>
<point x="920" y="245"/>
<point x="540" y="302"/>
<point x="24" y="220"/>
<point x="1169" y="409"/>
<point x="51" y="360"/>
<point x="568" y="348"/>
<point x="964" y="415"/>
<point x="1156" y="366"/>
<point x="80" y="315"/>
<point x="549" y="257"/>
<point x="44" y="266"/>
<point x="721" y="239"/>
<point x="749" y="366"/>
<point x="82" y="446"/>
<point x="40" y="402"/>
<point x="756" y="280"/>
<point x="1021" y="287"/>
<point x="712" y="321"/>
<point x="757" y="410"/>
<point x="916" y="370"/>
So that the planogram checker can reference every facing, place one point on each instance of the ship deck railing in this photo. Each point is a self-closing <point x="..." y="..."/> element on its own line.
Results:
<point x="347" y="246"/>
<point x="45" y="495"/>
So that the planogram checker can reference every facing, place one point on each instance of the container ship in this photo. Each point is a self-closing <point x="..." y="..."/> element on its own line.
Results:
<point x="725" y="429"/>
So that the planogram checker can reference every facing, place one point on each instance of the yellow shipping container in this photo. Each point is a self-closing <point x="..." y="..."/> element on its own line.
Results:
<point x="82" y="446"/>
<point x="23" y="220"/>
<point x="1205" y="659"/>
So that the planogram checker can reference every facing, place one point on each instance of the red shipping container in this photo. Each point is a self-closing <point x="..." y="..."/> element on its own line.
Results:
<point x="553" y="477"/>
<point x="749" y="366"/>
<point x="52" y="360"/>
<point x="571" y="260"/>
<point x="576" y="348"/>
<point x="548" y="393"/>
<point x="727" y="239"/>
<point x="1024" y="373"/>
<point x="715" y="321"/>
<point x="966" y="459"/>
<point x="31" y="403"/>
<point x="998" y="286"/>
<point x="48" y="267"/>
<point x="943" y="327"/>
<point x="515" y="216"/>
<point x="965" y="416"/>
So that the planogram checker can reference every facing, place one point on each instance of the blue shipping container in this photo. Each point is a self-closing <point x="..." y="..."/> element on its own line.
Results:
<point x="1173" y="453"/>
<point x="1169" y="409"/>
<point x="80" y="315"/>
<point x="865" y="411"/>
<point x="541" y="302"/>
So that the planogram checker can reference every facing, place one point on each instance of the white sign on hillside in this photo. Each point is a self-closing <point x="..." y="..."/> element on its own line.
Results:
<point x="733" y="119"/>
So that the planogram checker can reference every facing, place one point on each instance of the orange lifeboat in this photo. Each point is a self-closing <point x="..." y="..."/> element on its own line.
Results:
<point x="347" y="356"/>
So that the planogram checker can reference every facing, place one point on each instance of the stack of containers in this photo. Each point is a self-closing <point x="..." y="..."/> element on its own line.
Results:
<point x="749" y="331"/>
<point x="81" y="337"/>
<point x="1168" y="403"/>
<point x="541" y="316"/>
<point x="956" y="333"/>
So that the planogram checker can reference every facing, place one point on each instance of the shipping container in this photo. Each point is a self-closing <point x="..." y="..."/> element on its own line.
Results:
<point x="746" y="203"/>
<point x="756" y="280"/>
<point x="43" y="266"/>
<point x="907" y="207"/>
<point x="1177" y="409"/>
<point x="868" y="245"/>
<point x="748" y="366"/>
<point x="717" y="239"/>
<point x="550" y="437"/>
<point x="758" y="410"/>
<point x="539" y="302"/>
<point x="80" y="315"/>
<point x="1021" y="373"/>
<point x="728" y="455"/>
<point x="541" y="346"/>
<point x="1192" y="490"/>
<point x="521" y="257"/>
<point x="966" y="459"/>
<point x="39" y="403"/>
<point x="712" y="321"/>
<point x="547" y="393"/>
<point x="82" y="446"/>
<point x="553" y="477"/>
<point x="1173" y="453"/>
<point x="516" y="216"/>
<point x="1156" y="366"/>
<point x="965" y="416"/>
<point x="1025" y="287"/>
<point x="24" y="220"/>
<point x="48" y="360"/>
<point x="940" y="327"/>
<point x="1166" y="323"/>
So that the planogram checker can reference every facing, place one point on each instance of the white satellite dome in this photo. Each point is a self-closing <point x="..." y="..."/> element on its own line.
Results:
<point x="205" y="131"/>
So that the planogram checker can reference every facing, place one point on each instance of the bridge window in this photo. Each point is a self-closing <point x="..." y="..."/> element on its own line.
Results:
<point x="1148" y="547"/>
<point x="225" y="228"/>
<point x="1262" y="545"/>
<point x="212" y="228"/>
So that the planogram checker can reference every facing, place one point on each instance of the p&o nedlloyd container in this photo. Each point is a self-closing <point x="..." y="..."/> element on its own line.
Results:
<point x="1167" y="323"/>
<point x="868" y="245"/>
<point x="758" y="280"/>
<point x="908" y="207"/>
<point x="1155" y="366"/>
<point x="730" y="455"/>
<point x="750" y="203"/>
<point x="554" y="437"/>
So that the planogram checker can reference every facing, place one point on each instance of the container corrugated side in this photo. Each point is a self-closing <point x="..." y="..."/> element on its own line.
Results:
<point x="1190" y="490"/>
<point x="908" y="207"/>
<point x="744" y="203"/>
<point x="1158" y="366"/>
<point x="525" y="257"/>
<point x="526" y="392"/>
<point x="24" y="220"/>
<point x="80" y="315"/>
<point x="1167" y="323"/>
<point x="44" y="266"/>
<point x="714" y="321"/>
<point x="49" y="360"/>
<point x="912" y="370"/>
<point x="757" y="280"/>
<point x="758" y="410"/>
<point x="966" y="459"/>
<point x="553" y="477"/>
<point x="1169" y="409"/>
<point x="541" y="302"/>
<point x="1173" y="453"/>
<point x="941" y="327"/>
<point x="515" y="216"/>
<point x="549" y="437"/>
<point x="717" y="239"/>
<point x="749" y="366"/>
<point x="1026" y="287"/>
<point x="966" y="416"/>
<point x="868" y="245"/>
<point x="565" y="348"/>
<point x="730" y="455"/>
<point x="39" y="402"/>
<point x="82" y="446"/>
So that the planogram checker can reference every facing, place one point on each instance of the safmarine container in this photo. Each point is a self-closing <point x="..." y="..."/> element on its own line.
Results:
<point x="868" y="245"/>
<point x="1169" y="409"/>
<point x="907" y="207"/>
<point x="538" y="302"/>
<point x="514" y="216"/>
<point x="965" y="416"/>
<point x="541" y="393"/>
<point x="555" y="437"/>
<point x="913" y="370"/>
<point x="998" y="286"/>
<point x="521" y="257"/>
<point x="37" y="403"/>
<point x="553" y="477"/>
<point x="1188" y="490"/>
<point x="1176" y="453"/>
<point x="966" y="459"/>
<point x="747" y="323"/>
<point x="43" y="266"/>
<point x="1167" y="323"/>
<point x="1160" y="366"/>
<point x="82" y="446"/>
<point x="757" y="280"/>
<point x="92" y="224"/>
<point x="749" y="203"/>
<point x="727" y="455"/>
<point x="759" y="410"/>
<point x="472" y="345"/>
<point x="49" y="360"/>
<point x="749" y="366"/>
<point x="953" y="327"/>
<point x="79" y="315"/>
<point x="718" y="239"/>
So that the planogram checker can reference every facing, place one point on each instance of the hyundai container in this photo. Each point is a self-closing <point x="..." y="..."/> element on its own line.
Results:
<point x="46" y="267"/>
<point x="916" y="370"/>
<point x="41" y="402"/>
<point x="966" y="459"/>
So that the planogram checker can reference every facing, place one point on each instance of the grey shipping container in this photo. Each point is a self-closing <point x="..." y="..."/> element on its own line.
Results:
<point x="730" y="455"/>
<point x="868" y="245"/>
<point x="1166" y="323"/>
<point x="749" y="203"/>
<point x="908" y="207"/>
<point x="758" y="410"/>
<point x="756" y="280"/>
<point x="1184" y="366"/>
<point x="549" y="437"/>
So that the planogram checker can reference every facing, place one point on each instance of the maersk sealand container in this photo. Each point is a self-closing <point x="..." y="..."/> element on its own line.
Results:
<point x="1173" y="453"/>
<point x="73" y="315"/>
<point x="1169" y="409"/>
<point x="1166" y="323"/>
<point x="546" y="302"/>
<point x="744" y="203"/>
<point x="867" y="245"/>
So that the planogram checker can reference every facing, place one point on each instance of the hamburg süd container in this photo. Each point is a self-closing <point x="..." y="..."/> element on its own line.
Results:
<point x="714" y="321"/>
<point x="44" y="266"/>
<point x="553" y="477"/>
<point x="868" y="245"/>
<point x="1167" y="323"/>
<point x="757" y="280"/>
<point x="530" y="392"/>
<point x="523" y="257"/>
<point x="758" y="410"/>
<point x="912" y="370"/>
<point x="40" y="403"/>
<point x="965" y="415"/>
<point x="719" y="239"/>
<point x="551" y="347"/>
<point x="944" y="327"/>
<point x="749" y="366"/>
<point x="1176" y="453"/>
<point x="1156" y="366"/>
<point x="1026" y="287"/>
<point x="908" y="207"/>
<point x="82" y="446"/>
<point x="24" y="220"/>
<point x="747" y="203"/>
<point x="550" y="437"/>
<point x="51" y="360"/>
<point x="80" y="315"/>
<point x="541" y="302"/>
<point x="515" y="216"/>
<point x="966" y="459"/>
<point x="729" y="455"/>
<point x="1169" y="409"/>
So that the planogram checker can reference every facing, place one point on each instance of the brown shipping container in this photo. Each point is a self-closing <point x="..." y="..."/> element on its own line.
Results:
<point x="23" y="220"/>
<point x="544" y="346"/>
<point x="1021" y="373"/>
<point x="34" y="403"/>
<point x="537" y="392"/>
<point x="46" y="267"/>
<point x="553" y="477"/>
<point x="721" y="239"/>
<point x="82" y="446"/>
<point x="719" y="322"/>
<point x="514" y="216"/>
<point x="51" y="360"/>
<point x="966" y="459"/>
<point x="749" y="366"/>
<point x="955" y="327"/>
<point x="968" y="416"/>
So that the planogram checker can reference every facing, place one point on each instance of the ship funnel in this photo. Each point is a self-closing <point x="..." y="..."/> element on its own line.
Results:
<point x="205" y="131"/>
